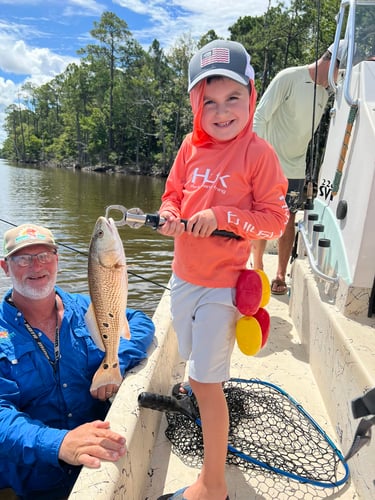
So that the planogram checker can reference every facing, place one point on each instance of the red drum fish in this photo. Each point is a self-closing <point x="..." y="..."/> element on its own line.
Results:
<point x="108" y="288"/>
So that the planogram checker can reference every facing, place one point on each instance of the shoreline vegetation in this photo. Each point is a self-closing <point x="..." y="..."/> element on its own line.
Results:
<point x="100" y="168"/>
<point x="125" y="109"/>
<point x="104" y="168"/>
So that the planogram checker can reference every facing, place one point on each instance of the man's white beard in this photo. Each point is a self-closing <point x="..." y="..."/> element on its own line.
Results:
<point x="31" y="292"/>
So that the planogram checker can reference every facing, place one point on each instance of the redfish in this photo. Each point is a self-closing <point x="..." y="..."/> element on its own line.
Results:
<point x="108" y="288"/>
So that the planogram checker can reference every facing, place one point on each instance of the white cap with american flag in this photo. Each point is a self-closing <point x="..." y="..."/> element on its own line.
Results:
<point x="221" y="57"/>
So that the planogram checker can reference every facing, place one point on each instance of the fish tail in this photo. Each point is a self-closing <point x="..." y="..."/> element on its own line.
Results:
<point x="106" y="375"/>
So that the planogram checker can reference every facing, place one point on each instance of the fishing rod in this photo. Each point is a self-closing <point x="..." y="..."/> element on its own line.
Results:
<point x="85" y="254"/>
<point x="344" y="149"/>
<point x="135" y="218"/>
<point x="311" y="174"/>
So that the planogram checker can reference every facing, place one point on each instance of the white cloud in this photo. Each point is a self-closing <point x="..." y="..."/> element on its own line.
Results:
<point x="137" y="6"/>
<point x="18" y="58"/>
<point x="8" y="91"/>
<point x="84" y="7"/>
<point x="37" y="65"/>
<point x="170" y="19"/>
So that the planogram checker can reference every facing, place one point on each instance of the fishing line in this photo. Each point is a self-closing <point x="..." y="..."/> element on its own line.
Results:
<point x="85" y="254"/>
<point x="311" y="170"/>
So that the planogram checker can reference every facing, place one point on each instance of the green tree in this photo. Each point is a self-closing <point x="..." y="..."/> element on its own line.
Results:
<point x="286" y="36"/>
<point x="124" y="106"/>
<point x="113" y="36"/>
<point x="210" y="36"/>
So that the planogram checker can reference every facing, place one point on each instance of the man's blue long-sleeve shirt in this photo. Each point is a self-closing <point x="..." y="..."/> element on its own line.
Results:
<point x="39" y="406"/>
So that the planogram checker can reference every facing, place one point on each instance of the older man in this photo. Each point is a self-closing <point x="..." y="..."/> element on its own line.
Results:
<point x="50" y="424"/>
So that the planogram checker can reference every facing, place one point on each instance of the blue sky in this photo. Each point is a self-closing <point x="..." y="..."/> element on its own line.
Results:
<point x="39" y="38"/>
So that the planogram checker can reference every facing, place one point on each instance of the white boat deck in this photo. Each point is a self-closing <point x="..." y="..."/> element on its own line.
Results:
<point x="283" y="362"/>
<point x="150" y="469"/>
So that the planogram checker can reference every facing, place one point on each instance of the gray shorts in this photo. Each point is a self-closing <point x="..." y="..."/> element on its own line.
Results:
<point x="204" y="320"/>
<point x="295" y="198"/>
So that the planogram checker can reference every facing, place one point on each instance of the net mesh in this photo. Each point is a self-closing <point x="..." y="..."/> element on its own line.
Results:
<point x="268" y="426"/>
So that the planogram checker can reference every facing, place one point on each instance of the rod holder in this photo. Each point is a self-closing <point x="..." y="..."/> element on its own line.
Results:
<point x="306" y="214"/>
<point x="311" y="218"/>
<point x="318" y="229"/>
<point x="323" y="249"/>
<point x="329" y="279"/>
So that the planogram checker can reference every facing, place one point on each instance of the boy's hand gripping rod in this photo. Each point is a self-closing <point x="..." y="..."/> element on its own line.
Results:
<point x="135" y="218"/>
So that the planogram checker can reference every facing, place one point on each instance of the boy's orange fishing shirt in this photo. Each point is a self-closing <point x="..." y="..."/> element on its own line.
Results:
<point x="241" y="181"/>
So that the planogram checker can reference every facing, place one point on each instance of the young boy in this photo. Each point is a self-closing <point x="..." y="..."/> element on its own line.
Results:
<point x="224" y="177"/>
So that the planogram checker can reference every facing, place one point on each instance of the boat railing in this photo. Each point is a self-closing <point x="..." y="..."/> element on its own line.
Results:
<point x="317" y="263"/>
<point x="349" y="39"/>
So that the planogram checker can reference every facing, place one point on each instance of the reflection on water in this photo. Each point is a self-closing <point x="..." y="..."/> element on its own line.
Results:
<point x="68" y="202"/>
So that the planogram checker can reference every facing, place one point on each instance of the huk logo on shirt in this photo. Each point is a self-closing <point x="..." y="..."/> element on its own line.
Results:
<point x="209" y="180"/>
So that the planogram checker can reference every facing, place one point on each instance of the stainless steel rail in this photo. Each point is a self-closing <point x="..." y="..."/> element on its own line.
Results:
<point x="315" y="269"/>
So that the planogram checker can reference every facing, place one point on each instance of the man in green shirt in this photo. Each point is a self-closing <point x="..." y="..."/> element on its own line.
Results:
<point x="284" y="118"/>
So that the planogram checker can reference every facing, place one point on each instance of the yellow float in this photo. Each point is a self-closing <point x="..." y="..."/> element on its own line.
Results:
<point x="266" y="288"/>
<point x="249" y="335"/>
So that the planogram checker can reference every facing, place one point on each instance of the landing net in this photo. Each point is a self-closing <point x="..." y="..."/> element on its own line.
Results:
<point x="268" y="429"/>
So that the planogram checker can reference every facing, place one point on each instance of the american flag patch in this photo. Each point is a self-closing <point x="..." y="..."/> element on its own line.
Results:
<point x="215" y="56"/>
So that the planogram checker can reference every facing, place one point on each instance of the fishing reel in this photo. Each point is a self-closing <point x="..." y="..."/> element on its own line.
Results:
<point x="134" y="217"/>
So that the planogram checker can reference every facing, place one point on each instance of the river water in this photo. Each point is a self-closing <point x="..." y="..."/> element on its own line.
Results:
<point x="69" y="202"/>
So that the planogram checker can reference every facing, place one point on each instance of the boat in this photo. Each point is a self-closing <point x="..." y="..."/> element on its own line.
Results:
<point x="321" y="347"/>
<point x="332" y="301"/>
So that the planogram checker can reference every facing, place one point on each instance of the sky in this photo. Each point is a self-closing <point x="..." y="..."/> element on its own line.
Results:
<point x="39" y="38"/>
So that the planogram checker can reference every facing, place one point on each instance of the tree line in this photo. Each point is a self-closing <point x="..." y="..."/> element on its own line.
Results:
<point x="124" y="107"/>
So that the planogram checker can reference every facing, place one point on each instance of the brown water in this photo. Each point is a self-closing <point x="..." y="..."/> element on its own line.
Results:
<point x="69" y="202"/>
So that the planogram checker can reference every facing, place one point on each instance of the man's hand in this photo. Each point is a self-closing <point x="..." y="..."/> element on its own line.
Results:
<point x="105" y="391"/>
<point x="90" y="443"/>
